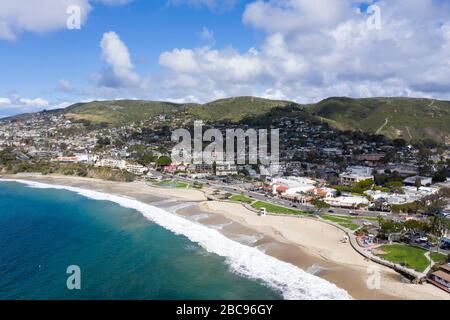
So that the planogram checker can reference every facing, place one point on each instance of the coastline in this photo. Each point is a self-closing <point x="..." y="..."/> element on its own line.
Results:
<point x="308" y="244"/>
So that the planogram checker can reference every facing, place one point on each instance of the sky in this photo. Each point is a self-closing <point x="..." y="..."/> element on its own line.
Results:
<point x="203" y="50"/>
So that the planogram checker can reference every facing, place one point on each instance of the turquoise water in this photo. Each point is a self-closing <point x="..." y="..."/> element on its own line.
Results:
<point x="122" y="255"/>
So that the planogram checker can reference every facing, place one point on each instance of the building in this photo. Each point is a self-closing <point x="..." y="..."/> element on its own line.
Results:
<point x="356" y="174"/>
<point x="66" y="159"/>
<point x="424" y="181"/>
<point x="294" y="182"/>
<point x="441" y="278"/>
<point x="226" y="169"/>
<point x="112" y="163"/>
<point x="348" y="202"/>
<point x="201" y="168"/>
<point x="136" y="169"/>
<point x="371" y="159"/>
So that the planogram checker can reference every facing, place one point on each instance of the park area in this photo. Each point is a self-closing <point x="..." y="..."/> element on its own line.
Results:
<point x="410" y="256"/>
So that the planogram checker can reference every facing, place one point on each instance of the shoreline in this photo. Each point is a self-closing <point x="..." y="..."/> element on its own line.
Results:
<point x="311" y="245"/>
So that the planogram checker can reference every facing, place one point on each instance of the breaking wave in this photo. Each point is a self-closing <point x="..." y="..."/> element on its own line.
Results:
<point x="292" y="282"/>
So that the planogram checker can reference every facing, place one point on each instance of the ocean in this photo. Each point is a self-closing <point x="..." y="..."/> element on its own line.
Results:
<point x="126" y="249"/>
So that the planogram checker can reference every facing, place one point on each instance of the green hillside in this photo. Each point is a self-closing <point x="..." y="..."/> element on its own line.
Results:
<point x="407" y="118"/>
<point x="410" y="119"/>
<point x="120" y="111"/>
<point x="124" y="111"/>
<point x="235" y="109"/>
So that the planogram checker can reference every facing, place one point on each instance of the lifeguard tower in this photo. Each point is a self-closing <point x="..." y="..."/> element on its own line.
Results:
<point x="262" y="212"/>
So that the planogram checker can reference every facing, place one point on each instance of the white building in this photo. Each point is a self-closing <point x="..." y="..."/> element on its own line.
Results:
<point x="424" y="181"/>
<point x="112" y="163"/>
<point x="348" y="202"/>
<point x="294" y="182"/>
<point x="226" y="169"/>
<point x="136" y="169"/>
<point x="356" y="174"/>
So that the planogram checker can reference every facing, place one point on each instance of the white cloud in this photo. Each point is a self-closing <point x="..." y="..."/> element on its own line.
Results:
<point x="65" y="86"/>
<point x="316" y="49"/>
<point x="41" y="16"/>
<point x="310" y="50"/>
<point x="208" y="36"/>
<point x="16" y="105"/>
<point x="37" y="102"/>
<point x="5" y="102"/>
<point x="292" y="15"/>
<point x="120" y="70"/>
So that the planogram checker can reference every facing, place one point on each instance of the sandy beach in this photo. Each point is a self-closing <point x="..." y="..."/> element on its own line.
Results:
<point x="311" y="245"/>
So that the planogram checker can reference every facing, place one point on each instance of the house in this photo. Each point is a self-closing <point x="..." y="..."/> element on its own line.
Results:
<point x="66" y="159"/>
<point x="136" y="169"/>
<point x="441" y="278"/>
<point x="371" y="159"/>
<point x="355" y="174"/>
<point x="226" y="169"/>
<point x="172" y="168"/>
<point x="111" y="163"/>
<point x="424" y="181"/>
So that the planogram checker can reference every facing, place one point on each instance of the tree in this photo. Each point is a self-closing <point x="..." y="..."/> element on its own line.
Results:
<point x="388" y="227"/>
<point x="418" y="183"/>
<point x="7" y="156"/>
<point x="417" y="226"/>
<point x="214" y="167"/>
<point x="440" y="176"/>
<point x="365" y="184"/>
<point x="320" y="204"/>
<point x="146" y="159"/>
<point x="439" y="225"/>
<point x="163" y="161"/>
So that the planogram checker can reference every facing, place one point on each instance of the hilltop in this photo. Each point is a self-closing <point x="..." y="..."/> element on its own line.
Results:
<point x="407" y="118"/>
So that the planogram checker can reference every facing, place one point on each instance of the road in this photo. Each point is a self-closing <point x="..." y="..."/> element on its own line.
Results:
<point x="237" y="189"/>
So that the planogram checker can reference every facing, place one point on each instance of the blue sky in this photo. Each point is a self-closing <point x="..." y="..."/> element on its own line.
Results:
<point x="201" y="50"/>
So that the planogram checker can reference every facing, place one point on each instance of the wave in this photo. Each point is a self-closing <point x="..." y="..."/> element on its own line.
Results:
<point x="292" y="282"/>
<point x="220" y="226"/>
<point x="248" y="238"/>
<point x="199" y="217"/>
<point x="316" y="269"/>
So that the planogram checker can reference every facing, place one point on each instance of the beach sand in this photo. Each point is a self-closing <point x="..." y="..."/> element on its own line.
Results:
<point x="311" y="245"/>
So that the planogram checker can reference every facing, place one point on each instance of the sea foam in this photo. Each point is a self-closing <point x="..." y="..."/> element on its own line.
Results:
<point x="292" y="282"/>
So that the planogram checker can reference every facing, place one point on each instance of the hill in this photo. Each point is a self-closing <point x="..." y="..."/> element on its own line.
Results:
<point x="119" y="111"/>
<point x="124" y="111"/>
<point x="235" y="109"/>
<point x="407" y="118"/>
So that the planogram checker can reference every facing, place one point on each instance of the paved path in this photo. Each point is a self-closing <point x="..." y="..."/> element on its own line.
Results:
<point x="427" y="255"/>
<point x="383" y="126"/>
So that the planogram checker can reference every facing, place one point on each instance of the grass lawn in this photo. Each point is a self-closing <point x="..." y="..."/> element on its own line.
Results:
<point x="243" y="199"/>
<point x="272" y="208"/>
<point x="351" y="226"/>
<point x="347" y="221"/>
<point x="172" y="184"/>
<point x="408" y="256"/>
<point x="344" y="221"/>
<point x="438" y="257"/>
